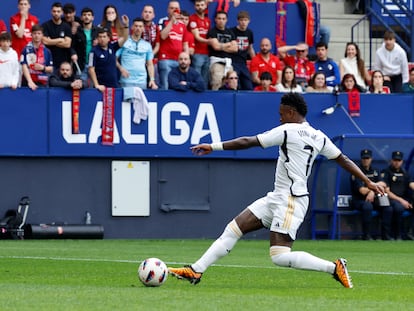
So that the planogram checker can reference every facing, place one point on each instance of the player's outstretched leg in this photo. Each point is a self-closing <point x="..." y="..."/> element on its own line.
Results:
<point x="341" y="273"/>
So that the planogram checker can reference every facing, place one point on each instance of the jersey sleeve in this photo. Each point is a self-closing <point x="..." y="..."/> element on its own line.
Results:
<point x="329" y="149"/>
<point x="273" y="137"/>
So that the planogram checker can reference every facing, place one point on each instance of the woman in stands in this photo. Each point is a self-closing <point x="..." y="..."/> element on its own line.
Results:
<point x="231" y="82"/>
<point x="355" y="65"/>
<point x="289" y="83"/>
<point x="317" y="84"/>
<point x="377" y="85"/>
<point x="111" y="21"/>
<point x="349" y="84"/>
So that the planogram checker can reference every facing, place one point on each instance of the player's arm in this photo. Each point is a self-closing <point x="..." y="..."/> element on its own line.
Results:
<point x="352" y="168"/>
<point x="234" y="144"/>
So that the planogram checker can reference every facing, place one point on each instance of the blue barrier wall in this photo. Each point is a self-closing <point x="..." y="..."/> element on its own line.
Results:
<point x="39" y="123"/>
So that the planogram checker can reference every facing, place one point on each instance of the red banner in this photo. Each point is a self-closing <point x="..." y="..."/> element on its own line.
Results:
<point x="108" y="116"/>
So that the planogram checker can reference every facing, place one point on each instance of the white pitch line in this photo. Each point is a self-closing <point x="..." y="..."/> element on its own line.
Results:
<point x="182" y="263"/>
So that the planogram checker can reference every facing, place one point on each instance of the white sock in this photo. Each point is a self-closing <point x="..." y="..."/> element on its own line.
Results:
<point x="220" y="247"/>
<point x="282" y="256"/>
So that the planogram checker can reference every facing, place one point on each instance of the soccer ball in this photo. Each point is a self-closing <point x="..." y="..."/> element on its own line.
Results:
<point x="152" y="272"/>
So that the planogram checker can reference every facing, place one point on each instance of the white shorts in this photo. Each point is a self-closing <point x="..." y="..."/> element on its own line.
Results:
<point x="281" y="213"/>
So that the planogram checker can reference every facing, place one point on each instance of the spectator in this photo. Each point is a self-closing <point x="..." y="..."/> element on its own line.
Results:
<point x="151" y="30"/>
<point x="266" y="61"/>
<point x="327" y="65"/>
<point x="230" y="82"/>
<point x="3" y="27"/>
<point x="199" y="26"/>
<point x="9" y="64"/>
<point x="304" y="68"/>
<point x="245" y="40"/>
<point x="222" y="46"/>
<point x="355" y="65"/>
<point x="408" y="87"/>
<point x="391" y="59"/>
<point x="86" y="38"/>
<point x="377" y="83"/>
<point x="102" y="60"/>
<point x="188" y="35"/>
<point x="399" y="189"/>
<point x="66" y="78"/>
<point x="21" y="26"/>
<point x="288" y="83"/>
<point x="317" y="84"/>
<point x="112" y="21"/>
<point x="266" y="83"/>
<point x="364" y="200"/>
<point x="36" y="61"/>
<point x="184" y="78"/>
<point x="135" y="59"/>
<point x="58" y="36"/>
<point x="349" y="84"/>
<point x="172" y="43"/>
<point x="77" y="44"/>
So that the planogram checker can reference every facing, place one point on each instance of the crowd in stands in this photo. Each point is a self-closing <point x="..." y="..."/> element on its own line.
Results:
<point x="117" y="52"/>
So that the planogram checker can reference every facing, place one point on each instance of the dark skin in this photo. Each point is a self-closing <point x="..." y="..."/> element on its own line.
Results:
<point x="246" y="220"/>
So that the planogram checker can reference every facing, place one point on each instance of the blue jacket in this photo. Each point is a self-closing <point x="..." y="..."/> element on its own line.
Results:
<point x="194" y="80"/>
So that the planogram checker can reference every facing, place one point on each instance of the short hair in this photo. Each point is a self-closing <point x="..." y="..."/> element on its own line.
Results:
<point x="321" y="44"/>
<point x="185" y="13"/>
<point x="18" y="1"/>
<point x="138" y="19"/>
<point x="5" y="36"/>
<point x="69" y="8"/>
<point x="389" y="35"/>
<point x="37" y="27"/>
<point x="296" y="101"/>
<point x="221" y="12"/>
<point x="243" y="14"/>
<point x="104" y="30"/>
<point x="412" y="69"/>
<point x="266" y="75"/>
<point x="57" y="5"/>
<point x="87" y="10"/>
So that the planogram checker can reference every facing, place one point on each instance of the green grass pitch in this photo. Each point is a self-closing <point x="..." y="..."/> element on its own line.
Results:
<point x="101" y="275"/>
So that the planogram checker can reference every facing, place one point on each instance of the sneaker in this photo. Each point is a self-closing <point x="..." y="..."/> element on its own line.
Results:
<point x="187" y="273"/>
<point x="341" y="273"/>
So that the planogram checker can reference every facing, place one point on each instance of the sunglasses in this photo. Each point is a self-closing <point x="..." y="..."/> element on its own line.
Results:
<point x="300" y="51"/>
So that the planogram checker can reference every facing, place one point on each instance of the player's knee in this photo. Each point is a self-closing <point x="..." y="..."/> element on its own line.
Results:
<point x="280" y="255"/>
<point x="233" y="229"/>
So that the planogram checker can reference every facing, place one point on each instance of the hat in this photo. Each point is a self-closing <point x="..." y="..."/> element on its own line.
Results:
<point x="397" y="155"/>
<point x="366" y="154"/>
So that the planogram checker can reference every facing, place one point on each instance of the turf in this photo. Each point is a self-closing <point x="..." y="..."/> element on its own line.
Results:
<point x="101" y="275"/>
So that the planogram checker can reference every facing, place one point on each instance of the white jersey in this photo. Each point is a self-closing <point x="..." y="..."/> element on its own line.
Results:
<point x="299" y="145"/>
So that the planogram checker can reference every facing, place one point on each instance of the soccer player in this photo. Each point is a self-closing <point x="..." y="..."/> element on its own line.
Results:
<point x="282" y="210"/>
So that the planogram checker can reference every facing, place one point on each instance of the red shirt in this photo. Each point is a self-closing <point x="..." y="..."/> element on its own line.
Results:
<point x="3" y="27"/>
<point x="19" y="43"/>
<point x="260" y="89"/>
<point x="304" y="68"/>
<point x="203" y="25"/>
<point x="260" y="65"/>
<point x="172" y="46"/>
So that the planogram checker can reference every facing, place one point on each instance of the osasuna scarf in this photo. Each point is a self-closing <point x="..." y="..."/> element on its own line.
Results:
<point x="75" y="111"/>
<point x="281" y="23"/>
<point x="38" y="76"/>
<point x="354" y="103"/>
<point x="309" y="23"/>
<point x="108" y="116"/>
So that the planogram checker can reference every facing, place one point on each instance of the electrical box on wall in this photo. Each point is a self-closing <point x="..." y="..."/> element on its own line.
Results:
<point x="130" y="188"/>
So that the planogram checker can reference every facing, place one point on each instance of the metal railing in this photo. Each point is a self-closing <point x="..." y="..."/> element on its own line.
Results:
<point x="368" y="36"/>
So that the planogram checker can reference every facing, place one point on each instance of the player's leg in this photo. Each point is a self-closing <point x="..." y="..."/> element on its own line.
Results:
<point x="288" y="215"/>
<point x="248" y="220"/>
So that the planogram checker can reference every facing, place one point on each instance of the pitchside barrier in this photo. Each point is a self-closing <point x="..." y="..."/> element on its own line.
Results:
<point x="331" y="214"/>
